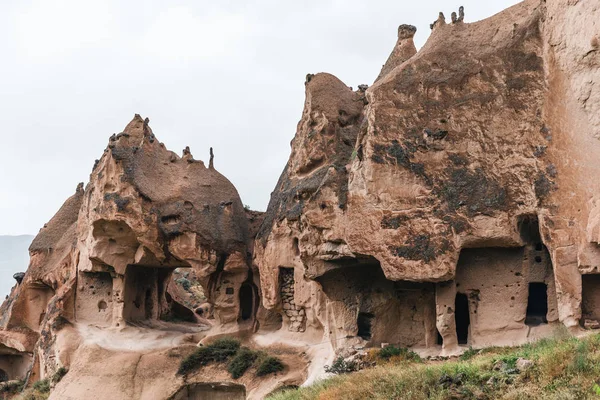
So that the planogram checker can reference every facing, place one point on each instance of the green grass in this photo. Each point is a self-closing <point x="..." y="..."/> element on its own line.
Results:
<point x="398" y="352"/>
<point x="467" y="355"/>
<point x="564" y="368"/>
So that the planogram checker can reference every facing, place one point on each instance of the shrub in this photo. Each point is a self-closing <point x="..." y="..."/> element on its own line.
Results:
<point x="243" y="360"/>
<point x="218" y="351"/>
<point x="59" y="374"/>
<point x="12" y="387"/>
<point x="341" y="366"/>
<point x="467" y="355"/>
<point x="581" y="362"/>
<point x="401" y="352"/>
<point x="269" y="365"/>
<point x="42" y="386"/>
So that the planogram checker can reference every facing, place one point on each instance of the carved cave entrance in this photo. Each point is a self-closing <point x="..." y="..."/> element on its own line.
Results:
<point x="364" y="303"/>
<point x="505" y="289"/>
<point x="537" y="304"/>
<point x="590" y="297"/>
<point x="247" y="301"/>
<point x="462" y="318"/>
<point x="13" y="364"/>
<point x="199" y="391"/>
<point x="145" y="296"/>
<point x="364" y="323"/>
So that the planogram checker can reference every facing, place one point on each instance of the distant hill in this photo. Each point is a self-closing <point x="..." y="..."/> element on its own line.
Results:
<point x="14" y="257"/>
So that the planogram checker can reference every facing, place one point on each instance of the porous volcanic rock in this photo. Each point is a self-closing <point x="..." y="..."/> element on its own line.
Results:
<point x="482" y="140"/>
<point x="106" y="259"/>
<point x="453" y="203"/>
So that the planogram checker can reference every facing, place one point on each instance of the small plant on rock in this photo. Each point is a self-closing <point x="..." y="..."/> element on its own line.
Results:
<point x="467" y="355"/>
<point x="218" y="351"/>
<point x="341" y="366"/>
<point x="243" y="360"/>
<point x="59" y="374"/>
<point x="42" y="386"/>
<point x="269" y="365"/>
<point x="398" y="352"/>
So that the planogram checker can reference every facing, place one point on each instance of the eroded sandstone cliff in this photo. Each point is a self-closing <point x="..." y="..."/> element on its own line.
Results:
<point x="467" y="178"/>
<point x="453" y="203"/>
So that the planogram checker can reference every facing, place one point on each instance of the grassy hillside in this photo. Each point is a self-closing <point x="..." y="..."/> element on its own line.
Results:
<point x="563" y="368"/>
<point x="14" y="257"/>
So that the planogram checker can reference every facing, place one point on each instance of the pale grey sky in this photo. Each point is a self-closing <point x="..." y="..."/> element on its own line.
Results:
<point x="226" y="74"/>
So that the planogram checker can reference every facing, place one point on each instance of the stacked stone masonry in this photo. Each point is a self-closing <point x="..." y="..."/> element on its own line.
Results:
<point x="294" y="314"/>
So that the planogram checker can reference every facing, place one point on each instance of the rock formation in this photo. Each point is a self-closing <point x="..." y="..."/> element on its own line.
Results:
<point x="463" y="190"/>
<point x="450" y="204"/>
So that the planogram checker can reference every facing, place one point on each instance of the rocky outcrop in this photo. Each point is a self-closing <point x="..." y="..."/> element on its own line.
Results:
<point x="106" y="259"/>
<point x="456" y="164"/>
<point x="450" y="204"/>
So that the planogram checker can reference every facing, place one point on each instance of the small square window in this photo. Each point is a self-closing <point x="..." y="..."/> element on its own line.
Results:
<point x="229" y="290"/>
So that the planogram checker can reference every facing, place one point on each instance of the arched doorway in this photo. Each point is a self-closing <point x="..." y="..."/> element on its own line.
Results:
<point x="246" y="301"/>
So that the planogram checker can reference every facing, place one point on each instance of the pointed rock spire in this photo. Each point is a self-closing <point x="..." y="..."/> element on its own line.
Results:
<point x="404" y="49"/>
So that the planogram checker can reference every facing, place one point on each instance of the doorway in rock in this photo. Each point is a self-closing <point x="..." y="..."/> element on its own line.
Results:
<point x="363" y="303"/>
<point x="3" y="376"/>
<point x="144" y="293"/>
<point x="246" y="301"/>
<point x="462" y="318"/>
<point x="590" y="297"/>
<point x="365" y="322"/>
<point x="537" y="304"/>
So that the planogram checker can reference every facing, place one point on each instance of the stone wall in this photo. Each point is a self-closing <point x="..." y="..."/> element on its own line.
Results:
<point x="294" y="315"/>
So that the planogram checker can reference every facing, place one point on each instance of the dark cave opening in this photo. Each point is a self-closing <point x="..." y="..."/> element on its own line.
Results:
<point x="462" y="318"/>
<point x="590" y="297"/>
<point x="537" y="304"/>
<point x="365" y="323"/>
<point x="246" y="301"/>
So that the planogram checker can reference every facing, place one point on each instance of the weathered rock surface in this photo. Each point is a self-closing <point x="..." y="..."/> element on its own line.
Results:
<point x="452" y="203"/>
<point x="106" y="259"/>
<point x="467" y="152"/>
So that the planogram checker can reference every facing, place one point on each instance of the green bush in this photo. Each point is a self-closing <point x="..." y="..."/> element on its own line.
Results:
<point x="42" y="386"/>
<point x="59" y="374"/>
<point x="218" y="351"/>
<point x="243" y="360"/>
<point x="341" y="366"/>
<point x="269" y="365"/>
<point x="392" y="351"/>
<point x="467" y="355"/>
<point x="12" y="387"/>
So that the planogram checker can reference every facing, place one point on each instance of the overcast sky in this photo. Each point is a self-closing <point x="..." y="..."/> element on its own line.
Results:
<point x="226" y="74"/>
